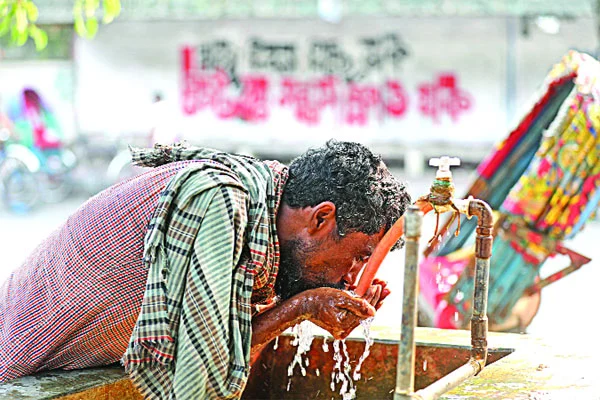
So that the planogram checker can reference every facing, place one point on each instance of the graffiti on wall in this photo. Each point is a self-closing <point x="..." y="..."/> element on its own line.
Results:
<point x="277" y="57"/>
<point x="443" y="96"/>
<point x="355" y="89"/>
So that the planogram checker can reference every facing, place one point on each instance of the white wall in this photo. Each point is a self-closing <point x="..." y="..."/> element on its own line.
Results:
<point x="120" y="69"/>
<point x="537" y="52"/>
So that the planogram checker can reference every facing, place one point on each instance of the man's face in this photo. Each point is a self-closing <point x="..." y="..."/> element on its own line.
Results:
<point x="332" y="262"/>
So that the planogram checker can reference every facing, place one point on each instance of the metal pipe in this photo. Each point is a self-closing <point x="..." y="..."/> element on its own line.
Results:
<point x="449" y="382"/>
<point x="483" y="253"/>
<point x="479" y="322"/>
<point x="405" y="376"/>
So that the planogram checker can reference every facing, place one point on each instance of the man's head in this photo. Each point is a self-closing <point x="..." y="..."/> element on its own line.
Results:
<point x="338" y="202"/>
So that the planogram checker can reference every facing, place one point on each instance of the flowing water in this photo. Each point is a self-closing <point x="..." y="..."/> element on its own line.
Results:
<point x="325" y="345"/>
<point x="366" y="327"/>
<point x="341" y="373"/>
<point x="303" y="338"/>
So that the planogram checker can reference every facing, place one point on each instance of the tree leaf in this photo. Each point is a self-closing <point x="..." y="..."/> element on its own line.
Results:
<point x="90" y="7"/>
<point x="39" y="36"/>
<point x="32" y="11"/>
<point x="21" y="38"/>
<point x="112" y="9"/>
<point x="4" y="25"/>
<point x="77" y="9"/>
<point x="107" y="16"/>
<point x="116" y="7"/>
<point x="14" y="33"/>
<point x="4" y="8"/>
<point x="107" y="19"/>
<point x="80" y="26"/>
<point x="21" y="19"/>
<point x="91" y="25"/>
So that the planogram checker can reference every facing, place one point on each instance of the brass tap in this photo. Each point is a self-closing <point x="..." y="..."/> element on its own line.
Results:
<point x="441" y="193"/>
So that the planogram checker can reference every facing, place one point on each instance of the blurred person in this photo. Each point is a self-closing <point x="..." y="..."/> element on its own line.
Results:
<point x="186" y="271"/>
<point x="35" y="124"/>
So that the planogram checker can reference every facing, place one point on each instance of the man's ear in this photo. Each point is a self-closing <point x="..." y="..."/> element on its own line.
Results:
<point x="322" y="218"/>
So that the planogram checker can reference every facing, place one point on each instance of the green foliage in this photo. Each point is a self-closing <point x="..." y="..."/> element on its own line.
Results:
<point x="18" y="17"/>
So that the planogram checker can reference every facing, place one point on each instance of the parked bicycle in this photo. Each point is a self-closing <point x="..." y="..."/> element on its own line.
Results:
<point x="18" y="185"/>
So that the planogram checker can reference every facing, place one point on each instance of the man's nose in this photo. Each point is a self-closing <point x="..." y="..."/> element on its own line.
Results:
<point x="354" y="271"/>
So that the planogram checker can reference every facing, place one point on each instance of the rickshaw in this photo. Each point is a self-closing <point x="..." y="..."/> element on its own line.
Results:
<point x="543" y="183"/>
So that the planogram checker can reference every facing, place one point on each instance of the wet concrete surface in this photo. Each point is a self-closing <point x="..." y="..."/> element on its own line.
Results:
<point x="55" y="384"/>
<point x="565" y="306"/>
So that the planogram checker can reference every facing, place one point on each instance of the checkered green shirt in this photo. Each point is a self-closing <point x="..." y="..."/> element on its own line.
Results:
<point x="211" y="247"/>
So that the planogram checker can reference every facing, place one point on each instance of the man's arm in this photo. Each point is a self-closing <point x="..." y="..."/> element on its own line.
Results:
<point x="271" y="323"/>
<point x="334" y="310"/>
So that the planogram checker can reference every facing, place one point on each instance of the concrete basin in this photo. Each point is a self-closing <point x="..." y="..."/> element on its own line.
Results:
<point x="269" y="376"/>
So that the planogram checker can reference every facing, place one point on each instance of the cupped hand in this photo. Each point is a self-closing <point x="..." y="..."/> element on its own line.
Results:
<point x="338" y="311"/>
<point x="377" y="293"/>
<point x="335" y="310"/>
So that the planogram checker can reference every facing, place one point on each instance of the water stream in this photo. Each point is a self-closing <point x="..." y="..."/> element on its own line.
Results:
<point x="341" y="373"/>
<point x="366" y="328"/>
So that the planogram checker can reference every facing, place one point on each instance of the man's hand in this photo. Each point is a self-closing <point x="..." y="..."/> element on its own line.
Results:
<point x="339" y="312"/>
<point x="377" y="293"/>
<point x="332" y="309"/>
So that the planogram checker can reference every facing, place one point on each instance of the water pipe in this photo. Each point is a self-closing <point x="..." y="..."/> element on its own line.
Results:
<point x="479" y="323"/>
<point x="383" y="248"/>
<point x="439" y="199"/>
<point x="405" y="377"/>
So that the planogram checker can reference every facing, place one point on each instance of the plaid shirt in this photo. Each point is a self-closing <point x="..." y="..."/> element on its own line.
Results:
<point x="211" y="239"/>
<point x="76" y="299"/>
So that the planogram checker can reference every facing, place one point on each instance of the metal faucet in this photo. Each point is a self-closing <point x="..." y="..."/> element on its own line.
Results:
<point x="441" y="199"/>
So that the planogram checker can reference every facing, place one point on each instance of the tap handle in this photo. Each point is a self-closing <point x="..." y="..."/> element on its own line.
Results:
<point x="444" y="163"/>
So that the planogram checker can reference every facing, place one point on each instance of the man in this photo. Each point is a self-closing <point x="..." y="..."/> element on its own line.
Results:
<point x="205" y="258"/>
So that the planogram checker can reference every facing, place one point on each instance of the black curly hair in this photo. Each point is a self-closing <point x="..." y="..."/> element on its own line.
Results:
<point x="365" y="193"/>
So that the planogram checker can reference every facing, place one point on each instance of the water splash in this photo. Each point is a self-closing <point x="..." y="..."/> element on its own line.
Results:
<point x="350" y="395"/>
<point x="325" y="345"/>
<point x="366" y="327"/>
<point x="303" y="338"/>
<point x="341" y="368"/>
<point x="341" y="371"/>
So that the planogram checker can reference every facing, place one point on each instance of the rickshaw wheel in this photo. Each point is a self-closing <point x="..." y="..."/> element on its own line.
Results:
<point x="521" y="315"/>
